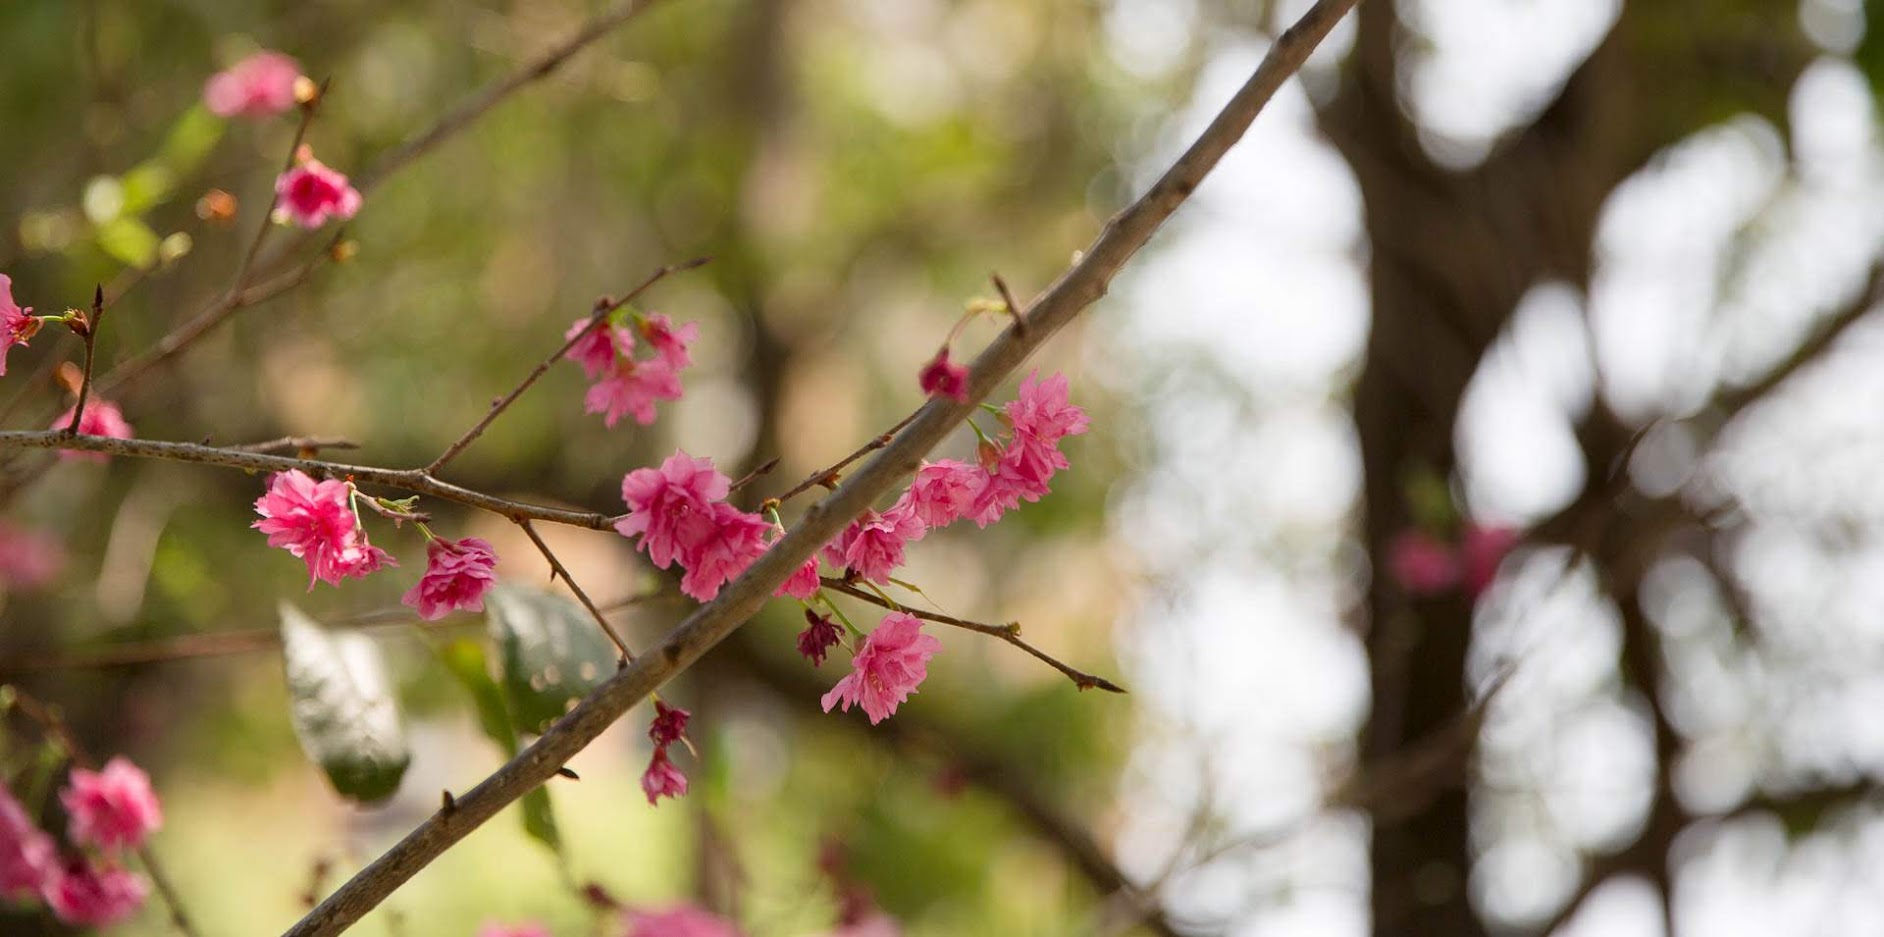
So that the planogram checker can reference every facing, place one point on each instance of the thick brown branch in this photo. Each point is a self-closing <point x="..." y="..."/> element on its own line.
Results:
<point x="1075" y="290"/>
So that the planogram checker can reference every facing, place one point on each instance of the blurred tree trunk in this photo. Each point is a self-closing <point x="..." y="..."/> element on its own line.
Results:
<point x="1452" y="253"/>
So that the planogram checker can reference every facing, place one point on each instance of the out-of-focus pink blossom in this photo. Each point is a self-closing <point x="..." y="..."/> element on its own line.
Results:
<point x="310" y="193"/>
<point x="943" y="491"/>
<point x="16" y="324"/>
<point x="894" y="660"/>
<point x="29" y="860"/>
<point x="680" y="921"/>
<point x="820" y="635"/>
<point x="662" y="779"/>
<point x="737" y="539"/>
<point x="314" y="522"/>
<point x="457" y="574"/>
<point x="261" y="85"/>
<point x="632" y="388"/>
<point x="102" y="418"/>
<point x="111" y="809"/>
<point x="672" y="344"/>
<point x="671" y="508"/>
<point x="873" y="545"/>
<point x="1422" y="564"/>
<point x="598" y="347"/>
<point x="1481" y="550"/>
<point x="944" y="378"/>
<point x="29" y="558"/>
<point x="87" y="895"/>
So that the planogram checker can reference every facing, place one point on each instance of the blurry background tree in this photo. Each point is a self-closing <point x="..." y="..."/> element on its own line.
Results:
<point x="1597" y="271"/>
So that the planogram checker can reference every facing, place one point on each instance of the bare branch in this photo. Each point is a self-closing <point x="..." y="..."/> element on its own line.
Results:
<point x="558" y="569"/>
<point x="89" y="332"/>
<point x="1076" y="289"/>
<point x="828" y="476"/>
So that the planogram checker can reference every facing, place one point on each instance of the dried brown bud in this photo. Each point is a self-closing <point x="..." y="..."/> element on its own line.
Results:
<point x="343" y="251"/>
<point x="217" y="207"/>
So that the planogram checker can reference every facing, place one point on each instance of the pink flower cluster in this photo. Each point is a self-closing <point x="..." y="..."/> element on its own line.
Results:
<point x="29" y="558"/>
<point x="102" y="418"/>
<point x="623" y="384"/>
<point x="111" y="812"/>
<point x="457" y="574"/>
<point x="17" y="325"/>
<point x="1424" y="565"/>
<point x="315" y="522"/>
<point x="663" y="779"/>
<point x="894" y="660"/>
<point x="310" y="194"/>
<point x="680" y="514"/>
<point x="259" y="86"/>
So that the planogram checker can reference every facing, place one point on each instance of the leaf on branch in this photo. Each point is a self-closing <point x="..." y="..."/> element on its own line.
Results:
<point x="467" y="662"/>
<point x="550" y="653"/>
<point x="343" y="707"/>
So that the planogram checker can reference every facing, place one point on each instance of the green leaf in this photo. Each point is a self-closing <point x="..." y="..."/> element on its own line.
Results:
<point x="342" y="707"/>
<point x="129" y="241"/>
<point x="550" y="651"/>
<point x="190" y="139"/>
<point x="145" y="186"/>
<point x="466" y="660"/>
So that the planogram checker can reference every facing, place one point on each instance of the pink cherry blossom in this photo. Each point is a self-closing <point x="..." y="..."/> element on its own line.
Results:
<point x="457" y="574"/>
<point x="314" y="522"/>
<point x="680" y="921"/>
<point x="893" y="662"/>
<point x="736" y="540"/>
<point x="944" y="378"/>
<point x="598" y="347"/>
<point x="662" y="779"/>
<point x="632" y="388"/>
<point x="310" y="194"/>
<point x="29" y="558"/>
<point x="820" y="635"/>
<point x="1422" y="564"/>
<point x="111" y="809"/>
<point x="671" y="508"/>
<point x="102" y="418"/>
<point x="1481" y="550"/>
<point x="872" y="546"/>
<point x="29" y="859"/>
<point x="531" y="929"/>
<point x="669" y="725"/>
<point x="943" y="491"/>
<point x="16" y="326"/>
<point x="86" y="895"/>
<point x="671" y="344"/>
<point x="1041" y="413"/>
<point x="803" y="583"/>
<point x="261" y="85"/>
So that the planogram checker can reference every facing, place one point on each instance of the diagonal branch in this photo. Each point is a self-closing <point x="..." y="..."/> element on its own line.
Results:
<point x="1079" y="287"/>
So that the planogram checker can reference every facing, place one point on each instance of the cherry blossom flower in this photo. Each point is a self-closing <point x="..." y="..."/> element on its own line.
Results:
<point x="310" y="194"/>
<point x="102" y="418"/>
<point x="261" y="85"/>
<point x="1481" y="550"/>
<point x="1421" y="564"/>
<point x="598" y="348"/>
<point x="29" y="860"/>
<point x="943" y="491"/>
<point x="662" y="779"/>
<point x="16" y="326"/>
<point x="86" y="895"/>
<point x="314" y="522"/>
<point x="894" y="660"/>
<point x="671" y="508"/>
<point x="944" y="378"/>
<point x="29" y="558"/>
<point x="457" y="574"/>
<point x="111" y="809"/>
<point x="803" y="583"/>
<point x="872" y="546"/>
<point x="820" y="635"/>
<point x="632" y="388"/>
<point x="670" y="724"/>
<point x="680" y="921"/>
<point x="736" y="540"/>
<point x="671" y="344"/>
<point x="531" y="929"/>
<point x="1040" y="414"/>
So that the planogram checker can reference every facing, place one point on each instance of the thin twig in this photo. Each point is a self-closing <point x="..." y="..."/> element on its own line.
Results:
<point x="55" y="727"/>
<point x="413" y="480"/>
<point x="298" y="444"/>
<point x="90" y="335"/>
<point x="753" y="475"/>
<point x="828" y="476"/>
<point x="1078" y="288"/>
<point x="558" y="569"/>
<point x="602" y="308"/>
<point x="1014" y="310"/>
<point x="274" y="197"/>
<point x="1009" y="632"/>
